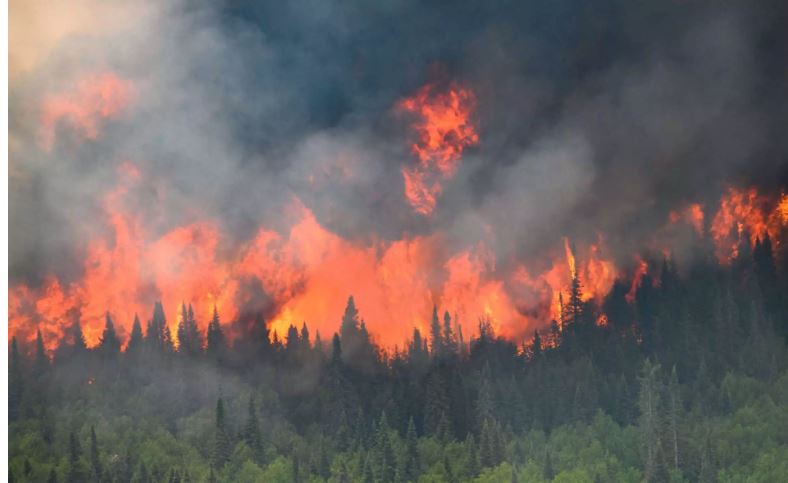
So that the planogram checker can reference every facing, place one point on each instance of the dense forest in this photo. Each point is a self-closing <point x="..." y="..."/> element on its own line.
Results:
<point x="685" y="381"/>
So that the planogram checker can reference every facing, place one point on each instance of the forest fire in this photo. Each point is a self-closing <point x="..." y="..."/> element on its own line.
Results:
<point x="308" y="272"/>
<point x="444" y="128"/>
<point x="305" y="273"/>
<point x="745" y="213"/>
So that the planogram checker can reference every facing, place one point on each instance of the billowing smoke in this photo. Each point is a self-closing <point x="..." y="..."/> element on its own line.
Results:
<point x="261" y="157"/>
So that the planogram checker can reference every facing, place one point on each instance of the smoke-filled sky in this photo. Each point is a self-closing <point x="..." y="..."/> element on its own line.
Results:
<point x="266" y="147"/>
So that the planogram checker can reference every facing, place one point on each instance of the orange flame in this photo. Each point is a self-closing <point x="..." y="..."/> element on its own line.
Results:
<point x="445" y="129"/>
<point x="93" y="98"/>
<point x="640" y="271"/>
<point x="692" y="214"/>
<point x="746" y="211"/>
<point x="307" y="272"/>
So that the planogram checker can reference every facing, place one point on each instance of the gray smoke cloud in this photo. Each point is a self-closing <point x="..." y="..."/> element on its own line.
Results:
<point x="592" y="119"/>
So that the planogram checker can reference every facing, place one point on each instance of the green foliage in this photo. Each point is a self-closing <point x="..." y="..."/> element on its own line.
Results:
<point x="584" y="404"/>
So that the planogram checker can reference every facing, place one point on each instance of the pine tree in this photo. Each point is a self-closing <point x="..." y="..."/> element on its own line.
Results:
<point x="52" y="476"/>
<point x="412" y="464"/>
<point x="76" y="473"/>
<point x="304" y="338"/>
<point x="336" y="350"/>
<point x="485" y="409"/>
<point x="436" y="337"/>
<point x="95" y="457"/>
<point x="78" y="340"/>
<point x="449" y="339"/>
<point x="547" y="470"/>
<point x="448" y="471"/>
<point x="251" y="432"/>
<point x="649" y="402"/>
<point x="367" y="474"/>
<point x="136" y="339"/>
<point x="158" y="337"/>
<point x="386" y="464"/>
<point x="673" y="415"/>
<point x="216" y="342"/>
<point x="292" y="341"/>
<point x="536" y="347"/>
<point x="41" y="361"/>
<point x="221" y="448"/>
<point x="471" y="457"/>
<point x="15" y="382"/>
<point x="437" y="404"/>
<point x="109" y="345"/>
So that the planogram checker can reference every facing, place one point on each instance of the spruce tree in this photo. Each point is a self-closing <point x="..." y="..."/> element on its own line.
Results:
<point x="412" y="464"/>
<point x="471" y="457"/>
<point x="109" y="345"/>
<point x="216" y="342"/>
<point x="222" y="445"/>
<point x="15" y="382"/>
<point x="136" y="339"/>
<point x="251" y="432"/>
<point x="536" y="347"/>
<point x="76" y="473"/>
<point x="78" y="339"/>
<point x="41" y="361"/>
<point x="386" y="464"/>
<point x="650" y="428"/>
<point x="336" y="350"/>
<point x="449" y="338"/>
<point x="547" y="470"/>
<point x="436" y="336"/>
<point x="95" y="457"/>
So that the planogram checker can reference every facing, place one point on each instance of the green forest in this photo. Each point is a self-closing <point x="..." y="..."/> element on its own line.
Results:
<point x="685" y="383"/>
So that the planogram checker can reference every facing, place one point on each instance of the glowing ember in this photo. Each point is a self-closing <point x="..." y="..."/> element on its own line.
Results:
<point x="444" y="130"/>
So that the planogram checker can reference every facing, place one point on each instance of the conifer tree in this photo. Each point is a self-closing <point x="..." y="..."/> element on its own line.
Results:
<point x="41" y="361"/>
<point x="136" y="339"/>
<point x="216" y="342"/>
<point x="76" y="473"/>
<point x="449" y="338"/>
<point x="292" y="340"/>
<point x="336" y="350"/>
<point x="536" y="347"/>
<point x="471" y="457"/>
<point x="222" y="445"/>
<point x="304" y="338"/>
<point x="193" y="334"/>
<point x="650" y="428"/>
<point x="251" y="432"/>
<point x="547" y="470"/>
<point x="412" y="464"/>
<point x="95" y="457"/>
<point x="673" y="415"/>
<point x="368" y="475"/>
<point x="15" y="381"/>
<point x="384" y="454"/>
<point x="109" y="345"/>
<point x="78" y="340"/>
<point x="436" y="336"/>
<point x="158" y="337"/>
